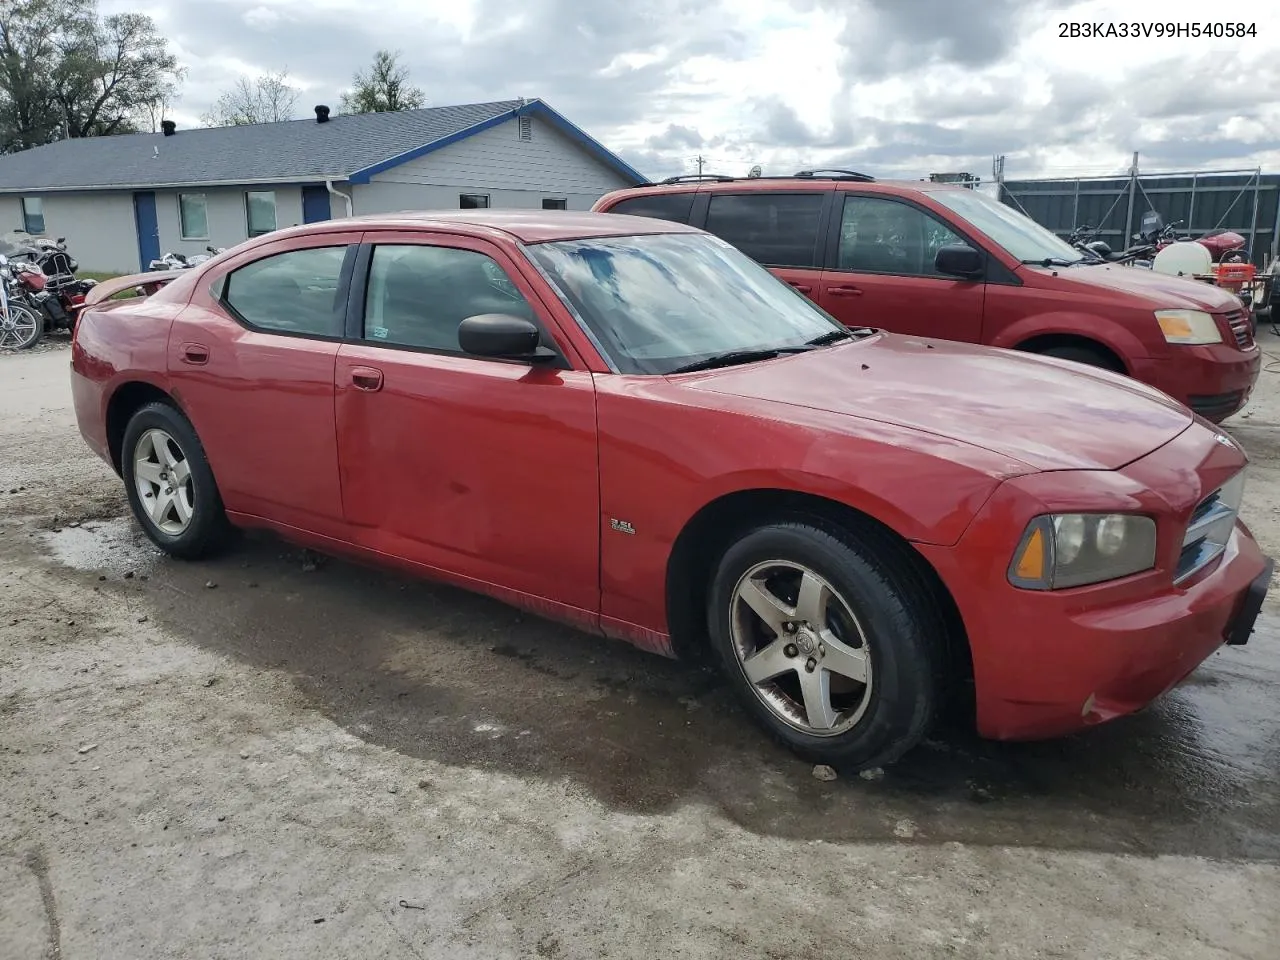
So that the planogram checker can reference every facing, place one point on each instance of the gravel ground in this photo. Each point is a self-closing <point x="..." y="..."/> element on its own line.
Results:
<point x="270" y="756"/>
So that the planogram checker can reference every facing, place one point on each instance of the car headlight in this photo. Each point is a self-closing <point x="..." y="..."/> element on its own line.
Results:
<point x="1075" y="549"/>
<point x="1188" y="326"/>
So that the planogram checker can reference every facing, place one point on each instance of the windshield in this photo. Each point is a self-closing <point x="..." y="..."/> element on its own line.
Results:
<point x="658" y="302"/>
<point x="1019" y="235"/>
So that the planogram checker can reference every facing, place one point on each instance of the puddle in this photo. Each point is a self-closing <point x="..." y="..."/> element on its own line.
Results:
<point x="96" y="545"/>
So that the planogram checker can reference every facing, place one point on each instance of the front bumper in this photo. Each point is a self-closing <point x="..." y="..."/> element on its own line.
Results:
<point x="1053" y="662"/>
<point x="1214" y="380"/>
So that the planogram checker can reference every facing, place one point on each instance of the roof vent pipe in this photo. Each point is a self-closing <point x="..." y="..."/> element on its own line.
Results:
<point x="168" y="127"/>
<point x="322" y="113"/>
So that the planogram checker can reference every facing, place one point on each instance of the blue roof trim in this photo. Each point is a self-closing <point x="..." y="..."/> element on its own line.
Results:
<point x="533" y="108"/>
<point x="368" y="173"/>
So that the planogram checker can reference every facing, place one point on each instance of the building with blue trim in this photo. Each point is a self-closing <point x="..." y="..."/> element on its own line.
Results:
<point x="121" y="201"/>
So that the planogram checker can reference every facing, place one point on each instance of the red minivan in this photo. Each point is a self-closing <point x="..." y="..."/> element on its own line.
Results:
<point x="944" y="261"/>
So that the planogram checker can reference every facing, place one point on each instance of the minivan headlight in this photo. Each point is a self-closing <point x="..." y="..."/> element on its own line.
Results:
<point x="1075" y="549"/>
<point x="1188" y="326"/>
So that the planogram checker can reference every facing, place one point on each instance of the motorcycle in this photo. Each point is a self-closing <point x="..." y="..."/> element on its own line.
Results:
<point x="1085" y="239"/>
<point x="20" y="325"/>
<point x="47" y="274"/>
<point x="1224" y="246"/>
<point x="177" y="261"/>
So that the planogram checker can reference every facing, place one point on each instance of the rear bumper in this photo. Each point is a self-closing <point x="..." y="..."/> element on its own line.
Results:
<point x="86" y="396"/>
<point x="1215" y="381"/>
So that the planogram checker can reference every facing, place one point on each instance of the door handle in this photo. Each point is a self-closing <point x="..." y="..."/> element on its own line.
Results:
<point x="844" y="290"/>
<point x="802" y="287"/>
<point x="195" y="353"/>
<point x="366" y="378"/>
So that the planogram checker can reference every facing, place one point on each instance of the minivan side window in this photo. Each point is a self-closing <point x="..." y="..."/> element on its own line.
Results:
<point x="660" y="206"/>
<point x="775" y="229"/>
<point x="294" y="292"/>
<point x="887" y="236"/>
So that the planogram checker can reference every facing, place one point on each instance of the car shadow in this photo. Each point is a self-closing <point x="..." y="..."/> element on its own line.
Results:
<point x="440" y="674"/>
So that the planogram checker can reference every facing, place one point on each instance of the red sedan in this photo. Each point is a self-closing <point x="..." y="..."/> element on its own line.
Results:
<point x="628" y="425"/>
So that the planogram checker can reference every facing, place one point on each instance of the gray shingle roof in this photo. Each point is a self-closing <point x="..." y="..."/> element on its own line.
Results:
<point x="296" y="150"/>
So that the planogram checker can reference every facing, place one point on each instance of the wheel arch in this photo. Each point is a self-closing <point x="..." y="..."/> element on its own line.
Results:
<point x="1077" y="330"/>
<point x="710" y="531"/>
<point x="126" y="400"/>
<point x="1047" y="341"/>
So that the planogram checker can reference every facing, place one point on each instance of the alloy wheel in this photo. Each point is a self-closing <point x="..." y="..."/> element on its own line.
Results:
<point x="801" y="648"/>
<point x="18" y="327"/>
<point x="162" y="478"/>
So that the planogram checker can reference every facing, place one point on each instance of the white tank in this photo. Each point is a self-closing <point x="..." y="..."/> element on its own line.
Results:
<point x="1183" y="258"/>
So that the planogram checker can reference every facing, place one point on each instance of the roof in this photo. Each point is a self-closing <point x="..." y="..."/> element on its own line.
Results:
<point x="527" y="226"/>
<point x="350" y="147"/>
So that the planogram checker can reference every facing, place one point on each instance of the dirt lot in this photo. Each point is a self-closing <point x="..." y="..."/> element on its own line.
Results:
<point x="266" y="757"/>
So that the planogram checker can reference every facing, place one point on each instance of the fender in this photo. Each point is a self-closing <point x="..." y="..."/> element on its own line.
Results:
<point x="1086" y="326"/>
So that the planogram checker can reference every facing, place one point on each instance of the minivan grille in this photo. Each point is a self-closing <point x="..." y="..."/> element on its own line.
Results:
<point x="1241" y="328"/>
<point x="1209" y="528"/>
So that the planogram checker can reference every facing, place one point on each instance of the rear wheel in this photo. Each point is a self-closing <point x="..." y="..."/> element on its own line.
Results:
<point x="21" y="327"/>
<point x="169" y="484"/>
<point x="826" y="643"/>
<point x="1089" y="356"/>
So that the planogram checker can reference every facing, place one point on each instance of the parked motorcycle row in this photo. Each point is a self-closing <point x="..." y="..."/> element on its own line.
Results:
<point x="1217" y="257"/>
<point x="39" y="289"/>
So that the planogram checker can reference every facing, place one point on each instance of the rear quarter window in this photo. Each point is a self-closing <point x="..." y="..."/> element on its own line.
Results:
<point x="775" y="229"/>
<point x="659" y="206"/>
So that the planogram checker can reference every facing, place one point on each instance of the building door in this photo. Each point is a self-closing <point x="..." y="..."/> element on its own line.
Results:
<point x="315" y="204"/>
<point x="144" y="217"/>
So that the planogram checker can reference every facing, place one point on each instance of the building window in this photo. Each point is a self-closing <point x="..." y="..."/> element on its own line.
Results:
<point x="552" y="203"/>
<point x="524" y="127"/>
<point x="33" y="215"/>
<point x="473" y="201"/>
<point x="193" y="216"/>
<point x="260" y="211"/>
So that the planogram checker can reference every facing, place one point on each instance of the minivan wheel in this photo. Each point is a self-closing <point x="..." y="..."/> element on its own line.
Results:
<point x="825" y="643"/>
<point x="169" y="484"/>
<point x="1086" y="355"/>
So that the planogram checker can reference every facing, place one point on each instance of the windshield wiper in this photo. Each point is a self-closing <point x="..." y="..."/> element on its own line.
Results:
<point x="733" y="357"/>
<point x="835" y="336"/>
<point x="1053" y="262"/>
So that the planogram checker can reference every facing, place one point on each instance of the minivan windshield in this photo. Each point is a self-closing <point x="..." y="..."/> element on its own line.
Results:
<point x="1019" y="235"/>
<point x="659" y="303"/>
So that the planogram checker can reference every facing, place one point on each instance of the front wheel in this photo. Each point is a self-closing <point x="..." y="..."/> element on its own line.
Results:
<point x="827" y="643"/>
<point x="21" y="327"/>
<point x="170" y="485"/>
<point x="1089" y="356"/>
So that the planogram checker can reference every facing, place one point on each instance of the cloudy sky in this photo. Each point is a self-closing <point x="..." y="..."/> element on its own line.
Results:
<point x="903" y="87"/>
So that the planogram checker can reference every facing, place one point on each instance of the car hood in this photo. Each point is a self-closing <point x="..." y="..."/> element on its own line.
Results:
<point x="1048" y="414"/>
<point x="1161" y="290"/>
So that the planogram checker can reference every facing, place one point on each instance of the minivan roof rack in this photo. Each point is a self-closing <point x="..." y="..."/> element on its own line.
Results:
<point x="834" y="173"/>
<point x="718" y="177"/>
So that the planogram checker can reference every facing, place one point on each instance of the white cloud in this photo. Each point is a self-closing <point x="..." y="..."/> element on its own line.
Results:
<point x="262" y="18"/>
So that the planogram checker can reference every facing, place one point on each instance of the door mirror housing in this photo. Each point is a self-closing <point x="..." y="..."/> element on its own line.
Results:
<point x="959" y="260"/>
<point x="503" y="337"/>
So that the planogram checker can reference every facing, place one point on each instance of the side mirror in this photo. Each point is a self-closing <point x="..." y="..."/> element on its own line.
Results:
<point x="62" y="240"/>
<point x="958" y="260"/>
<point x="504" y="337"/>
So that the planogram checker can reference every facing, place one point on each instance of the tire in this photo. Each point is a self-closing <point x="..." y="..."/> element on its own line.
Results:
<point x="1089" y="356"/>
<point x="185" y="519"/>
<point x="870" y="608"/>
<point x="23" y="327"/>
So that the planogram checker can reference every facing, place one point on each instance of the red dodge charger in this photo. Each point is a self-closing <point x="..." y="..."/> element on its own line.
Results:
<point x="628" y="425"/>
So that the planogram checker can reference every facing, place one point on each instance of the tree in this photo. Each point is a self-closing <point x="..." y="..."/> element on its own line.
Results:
<point x="265" y="100"/>
<point x="384" y="88"/>
<point x="67" y="72"/>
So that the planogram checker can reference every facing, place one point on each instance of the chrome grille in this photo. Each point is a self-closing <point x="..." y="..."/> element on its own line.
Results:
<point x="1241" y="328"/>
<point x="1209" y="528"/>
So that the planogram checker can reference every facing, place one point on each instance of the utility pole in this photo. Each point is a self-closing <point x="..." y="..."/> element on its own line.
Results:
<point x="699" y="160"/>
<point x="1133" y="189"/>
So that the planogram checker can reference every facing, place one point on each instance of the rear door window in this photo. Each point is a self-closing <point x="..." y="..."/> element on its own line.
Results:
<point x="296" y="292"/>
<point x="659" y="206"/>
<point x="775" y="229"/>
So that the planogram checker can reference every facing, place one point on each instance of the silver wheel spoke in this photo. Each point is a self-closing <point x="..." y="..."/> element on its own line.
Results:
<point x="768" y="663"/>
<point x="181" y="508"/>
<point x="158" y="506"/>
<point x="845" y="660"/>
<point x="811" y="606"/>
<point x="165" y="449"/>
<point x="149" y="471"/>
<point x="767" y="607"/>
<point x="816" y="689"/>
<point x="181" y="471"/>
